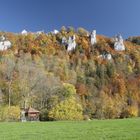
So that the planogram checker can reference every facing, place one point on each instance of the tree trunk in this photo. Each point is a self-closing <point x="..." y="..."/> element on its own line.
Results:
<point x="9" y="93"/>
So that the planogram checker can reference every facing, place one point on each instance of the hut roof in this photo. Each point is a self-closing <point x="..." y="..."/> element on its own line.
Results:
<point x="32" y="110"/>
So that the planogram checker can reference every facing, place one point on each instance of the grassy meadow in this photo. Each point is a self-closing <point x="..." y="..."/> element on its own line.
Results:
<point x="125" y="129"/>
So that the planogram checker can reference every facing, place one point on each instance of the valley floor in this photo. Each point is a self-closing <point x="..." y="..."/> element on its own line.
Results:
<point x="124" y="129"/>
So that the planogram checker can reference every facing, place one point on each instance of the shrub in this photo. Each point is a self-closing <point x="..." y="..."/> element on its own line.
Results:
<point x="133" y="111"/>
<point x="10" y="113"/>
<point x="86" y="117"/>
<point x="14" y="113"/>
<point x="67" y="110"/>
<point x="44" y="114"/>
<point x="82" y="32"/>
<point x="69" y="90"/>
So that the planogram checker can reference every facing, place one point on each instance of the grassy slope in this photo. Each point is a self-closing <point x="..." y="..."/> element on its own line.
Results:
<point x="126" y="129"/>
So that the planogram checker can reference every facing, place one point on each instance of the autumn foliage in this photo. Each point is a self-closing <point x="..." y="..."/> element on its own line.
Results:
<point x="38" y="71"/>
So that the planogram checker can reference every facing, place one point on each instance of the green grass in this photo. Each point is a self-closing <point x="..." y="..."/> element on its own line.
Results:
<point x="125" y="129"/>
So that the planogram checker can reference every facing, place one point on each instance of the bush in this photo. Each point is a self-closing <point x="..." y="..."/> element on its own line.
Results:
<point x="82" y="32"/>
<point x="67" y="110"/>
<point x="10" y="113"/>
<point x="69" y="90"/>
<point x="86" y="118"/>
<point x="130" y="111"/>
<point x="133" y="111"/>
<point x="134" y="40"/>
<point x="44" y="115"/>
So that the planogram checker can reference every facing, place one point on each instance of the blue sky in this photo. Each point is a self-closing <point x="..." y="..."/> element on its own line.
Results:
<point x="108" y="17"/>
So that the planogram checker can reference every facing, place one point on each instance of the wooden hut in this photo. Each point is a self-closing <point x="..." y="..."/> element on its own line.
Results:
<point x="30" y="114"/>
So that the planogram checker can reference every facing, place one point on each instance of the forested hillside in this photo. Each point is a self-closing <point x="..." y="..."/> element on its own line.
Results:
<point x="39" y="72"/>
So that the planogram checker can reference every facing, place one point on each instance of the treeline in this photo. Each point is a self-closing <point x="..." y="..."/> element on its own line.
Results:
<point x="38" y="72"/>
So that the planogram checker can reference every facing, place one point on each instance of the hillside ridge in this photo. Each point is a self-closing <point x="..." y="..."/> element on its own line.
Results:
<point x="70" y="75"/>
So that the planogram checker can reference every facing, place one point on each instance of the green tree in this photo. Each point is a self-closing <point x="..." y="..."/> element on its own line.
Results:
<point x="82" y="31"/>
<point x="68" y="109"/>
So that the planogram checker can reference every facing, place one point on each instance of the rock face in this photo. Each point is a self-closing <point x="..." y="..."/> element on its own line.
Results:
<point x="105" y="56"/>
<point x="55" y="32"/>
<point x="93" y="37"/>
<point x="39" y="32"/>
<point x="108" y="56"/>
<point x="24" y="32"/>
<point x="4" y="44"/>
<point x="71" y="43"/>
<point x="64" y="41"/>
<point x="119" y="45"/>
